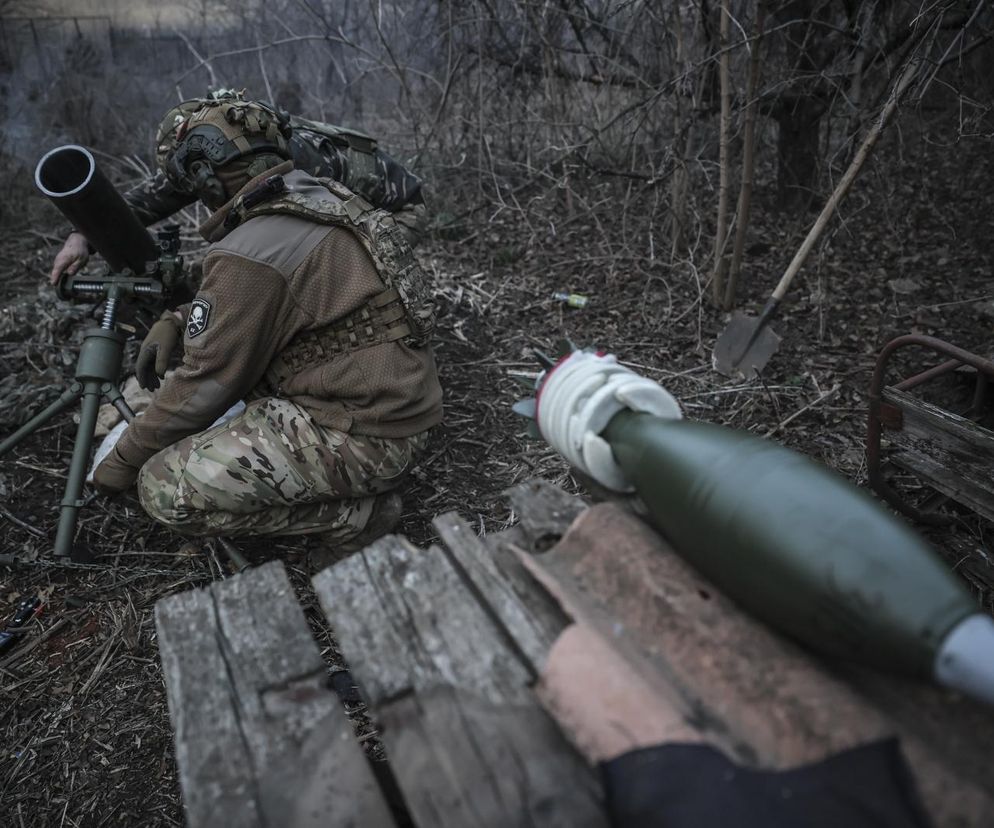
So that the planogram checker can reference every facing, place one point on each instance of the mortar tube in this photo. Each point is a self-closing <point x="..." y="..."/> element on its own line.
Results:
<point x="71" y="179"/>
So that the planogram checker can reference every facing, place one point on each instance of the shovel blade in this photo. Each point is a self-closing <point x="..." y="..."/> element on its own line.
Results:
<point x="739" y="351"/>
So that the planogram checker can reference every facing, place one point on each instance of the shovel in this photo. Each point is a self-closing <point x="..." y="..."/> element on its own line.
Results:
<point x="747" y="343"/>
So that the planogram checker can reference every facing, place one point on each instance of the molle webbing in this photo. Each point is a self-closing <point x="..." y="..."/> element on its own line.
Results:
<point x="381" y="319"/>
<point x="329" y="202"/>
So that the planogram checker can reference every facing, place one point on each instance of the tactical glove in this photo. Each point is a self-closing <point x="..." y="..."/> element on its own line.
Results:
<point x="114" y="474"/>
<point x="153" y="358"/>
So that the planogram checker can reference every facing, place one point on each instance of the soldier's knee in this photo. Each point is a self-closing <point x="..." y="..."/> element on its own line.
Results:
<point x="158" y="484"/>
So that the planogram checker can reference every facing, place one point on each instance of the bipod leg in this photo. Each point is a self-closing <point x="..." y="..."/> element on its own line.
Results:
<point x="235" y="557"/>
<point x="72" y="499"/>
<point x="116" y="398"/>
<point x="69" y="396"/>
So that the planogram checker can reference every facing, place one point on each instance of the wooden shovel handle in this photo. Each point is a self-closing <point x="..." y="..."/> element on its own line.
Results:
<point x="843" y="186"/>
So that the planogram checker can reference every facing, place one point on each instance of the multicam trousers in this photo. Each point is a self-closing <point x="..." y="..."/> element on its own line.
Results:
<point x="272" y="470"/>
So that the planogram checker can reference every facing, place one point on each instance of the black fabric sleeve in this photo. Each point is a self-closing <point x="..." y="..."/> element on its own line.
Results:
<point x="696" y="786"/>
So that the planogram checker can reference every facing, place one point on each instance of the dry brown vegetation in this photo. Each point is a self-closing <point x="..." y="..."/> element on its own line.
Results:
<point x="569" y="145"/>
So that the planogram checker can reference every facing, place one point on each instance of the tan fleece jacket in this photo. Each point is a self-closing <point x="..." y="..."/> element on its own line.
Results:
<point x="267" y="280"/>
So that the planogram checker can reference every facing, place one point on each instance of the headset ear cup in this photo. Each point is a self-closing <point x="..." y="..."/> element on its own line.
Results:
<point x="283" y="119"/>
<point x="212" y="193"/>
<point x="206" y="185"/>
<point x="200" y="171"/>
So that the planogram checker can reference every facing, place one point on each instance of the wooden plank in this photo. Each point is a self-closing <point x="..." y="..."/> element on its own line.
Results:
<point x="466" y="739"/>
<point x="212" y="771"/>
<point x="462" y="760"/>
<point x="260" y="739"/>
<point x="750" y="691"/>
<point x="623" y="579"/>
<point x="946" y="480"/>
<point x="405" y="623"/>
<point x="953" y="454"/>
<point x="525" y="613"/>
<point x="544" y="512"/>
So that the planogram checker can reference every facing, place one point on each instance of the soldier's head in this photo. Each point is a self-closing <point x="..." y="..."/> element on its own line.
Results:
<point x="210" y="147"/>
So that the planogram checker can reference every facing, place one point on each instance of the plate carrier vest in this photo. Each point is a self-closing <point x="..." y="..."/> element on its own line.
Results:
<point x="404" y="311"/>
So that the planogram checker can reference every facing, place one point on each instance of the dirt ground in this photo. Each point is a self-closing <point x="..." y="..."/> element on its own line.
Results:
<point x="84" y="730"/>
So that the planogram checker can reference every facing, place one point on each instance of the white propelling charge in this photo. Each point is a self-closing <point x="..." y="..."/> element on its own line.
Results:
<point x="577" y="399"/>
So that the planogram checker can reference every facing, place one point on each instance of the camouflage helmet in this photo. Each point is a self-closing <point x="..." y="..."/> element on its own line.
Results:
<point x="201" y="135"/>
<point x="165" y="136"/>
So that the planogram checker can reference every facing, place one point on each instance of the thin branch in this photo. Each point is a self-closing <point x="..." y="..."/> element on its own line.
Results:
<point x="203" y="62"/>
<point x="724" y="161"/>
<point x="815" y="402"/>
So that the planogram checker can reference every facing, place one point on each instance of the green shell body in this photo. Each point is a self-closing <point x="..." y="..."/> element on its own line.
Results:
<point x="792" y="542"/>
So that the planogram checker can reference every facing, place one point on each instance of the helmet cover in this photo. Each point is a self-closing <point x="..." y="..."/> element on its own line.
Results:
<point x="200" y="136"/>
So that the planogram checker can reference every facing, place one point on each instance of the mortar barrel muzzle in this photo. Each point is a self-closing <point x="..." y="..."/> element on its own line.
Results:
<point x="71" y="179"/>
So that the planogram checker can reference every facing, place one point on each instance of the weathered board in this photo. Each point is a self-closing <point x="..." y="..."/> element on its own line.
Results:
<point x="746" y="689"/>
<point x="544" y="512"/>
<point x="463" y="652"/>
<point x="531" y="620"/>
<point x="466" y="738"/>
<point x="260" y="739"/>
<point x="952" y="454"/>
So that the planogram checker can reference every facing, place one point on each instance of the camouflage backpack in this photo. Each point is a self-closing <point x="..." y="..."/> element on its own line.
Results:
<point x="354" y="158"/>
<point x="322" y="149"/>
<point x="334" y="204"/>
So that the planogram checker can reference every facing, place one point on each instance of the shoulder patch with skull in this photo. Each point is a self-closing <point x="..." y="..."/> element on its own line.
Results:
<point x="196" y="323"/>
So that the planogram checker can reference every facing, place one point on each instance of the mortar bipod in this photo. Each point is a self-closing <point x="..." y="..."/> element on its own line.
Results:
<point x="97" y="372"/>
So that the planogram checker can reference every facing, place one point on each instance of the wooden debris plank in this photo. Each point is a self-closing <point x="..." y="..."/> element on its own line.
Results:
<point x="544" y="512"/>
<point x="953" y="454"/>
<point x="406" y="623"/>
<point x="526" y="614"/>
<point x="751" y="691"/>
<point x="466" y="739"/>
<point x="260" y="739"/>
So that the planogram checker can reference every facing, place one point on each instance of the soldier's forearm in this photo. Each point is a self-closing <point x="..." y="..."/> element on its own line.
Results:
<point x="152" y="210"/>
<point x="413" y="220"/>
<point x="180" y="409"/>
<point x="156" y="199"/>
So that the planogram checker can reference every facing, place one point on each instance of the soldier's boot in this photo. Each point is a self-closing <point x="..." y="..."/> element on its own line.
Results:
<point x="385" y="515"/>
<point x="386" y="512"/>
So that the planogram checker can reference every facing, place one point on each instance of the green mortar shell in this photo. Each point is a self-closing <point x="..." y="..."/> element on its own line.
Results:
<point x="792" y="542"/>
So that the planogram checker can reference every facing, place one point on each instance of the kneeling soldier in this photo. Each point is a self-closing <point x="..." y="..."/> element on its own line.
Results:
<point x="314" y="310"/>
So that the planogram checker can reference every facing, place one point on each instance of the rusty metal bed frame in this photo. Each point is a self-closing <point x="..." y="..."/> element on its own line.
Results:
<point x="886" y="414"/>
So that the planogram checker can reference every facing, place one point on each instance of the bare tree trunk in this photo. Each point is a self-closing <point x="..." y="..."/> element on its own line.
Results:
<point x="42" y="64"/>
<point x="864" y="24"/>
<point x="911" y="69"/>
<point x="724" y="176"/>
<point x="799" y="112"/>
<point x="748" y="157"/>
<point x="678" y="184"/>
<point x="799" y="124"/>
